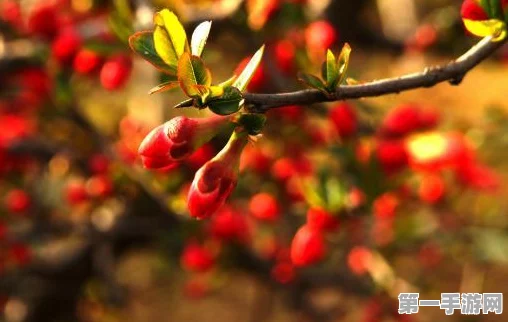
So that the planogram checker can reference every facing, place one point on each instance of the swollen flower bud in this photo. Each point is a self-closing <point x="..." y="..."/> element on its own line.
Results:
<point x="472" y="10"/>
<point x="177" y="139"/>
<point x="215" y="181"/>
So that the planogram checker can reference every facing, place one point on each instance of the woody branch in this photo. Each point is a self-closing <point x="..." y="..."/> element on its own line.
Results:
<point x="452" y="72"/>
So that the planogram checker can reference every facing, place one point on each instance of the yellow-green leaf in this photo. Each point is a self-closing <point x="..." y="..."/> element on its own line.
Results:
<point x="332" y="74"/>
<point x="164" y="87"/>
<point x="228" y="82"/>
<point x="216" y="91"/>
<point x="199" y="37"/>
<point x="191" y="72"/>
<point x="343" y="62"/>
<point x="230" y="102"/>
<point x="482" y="28"/>
<point x="312" y="81"/>
<point x="142" y="44"/>
<point x="169" y="37"/>
<point x="245" y="76"/>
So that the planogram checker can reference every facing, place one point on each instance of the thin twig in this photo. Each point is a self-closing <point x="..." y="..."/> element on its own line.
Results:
<point x="453" y="72"/>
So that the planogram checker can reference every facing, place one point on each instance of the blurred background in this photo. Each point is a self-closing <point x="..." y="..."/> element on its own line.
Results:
<point x="414" y="182"/>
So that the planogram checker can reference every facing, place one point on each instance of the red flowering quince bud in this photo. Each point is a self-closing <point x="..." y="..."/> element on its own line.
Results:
<point x="17" y="201"/>
<point x="65" y="46"/>
<point x="196" y="258"/>
<point x="86" y="61"/>
<point x="343" y="117"/>
<point x="115" y="72"/>
<point x="201" y="156"/>
<point x="432" y="189"/>
<point x="99" y="186"/>
<point x="401" y="121"/>
<point x="44" y="21"/>
<point x="75" y="192"/>
<point x="283" y="272"/>
<point x="229" y="225"/>
<point x="359" y="259"/>
<point x="319" y="36"/>
<point x="284" y="53"/>
<point x="264" y="206"/>
<point x="322" y="220"/>
<point x="20" y="254"/>
<point x="478" y="176"/>
<point x="392" y="155"/>
<point x="385" y="206"/>
<point x="177" y="139"/>
<point x="308" y="246"/>
<point x="215" y="181"/>
<point x="472" y="10"/>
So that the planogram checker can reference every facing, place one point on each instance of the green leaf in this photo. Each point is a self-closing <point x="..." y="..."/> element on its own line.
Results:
<point x="312" y="81"/>
<point x="492" y="27"/>
<point x="230" y="102"/>
<point x="332" y="74"/>
<point x="245" y="76"/>
<point x="253" y="123"/>
<point x="142" y="44"/>
<point x="343" y="62"/>
<point x="164" y="87"/>
<point x="216" y="91"/>
<point x="191" y="73"/>
<point x="169" y="37"/>
<point x="121" y="27"/>
<point x="199" y="37"/>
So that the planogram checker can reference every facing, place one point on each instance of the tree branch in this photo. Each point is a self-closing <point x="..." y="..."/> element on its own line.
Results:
<point x="453" y="72"/>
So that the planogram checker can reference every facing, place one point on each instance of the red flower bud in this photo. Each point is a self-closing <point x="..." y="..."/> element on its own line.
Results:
<point x="385" y="206"/>
<point x="401" y="121"/>
<point x="229" y="225"/>
<point x="86" y="61"/>
<point x="392" y="155"/>
<point x="472" y="10"/>
<point x="359" y="259"/>
<point x="344" y="119"/>
<point x="44" y="21"/>
<point x="283" y="272"/>
<point x="99" y="186"/>
<point x="264" y="206"/>
<point x="75" y="193"/>
<point x="65" y="46"/>
<point x="319" y="36"/>
<point x="215" y="181"/>
<point x="196" y="258"/>
<point x="284" y="52"/>
<point x="322" y="220"/>
<point x="308" y="247"/>
<point x="115" y="72"/>
<point x="432" y="189"/>
<point x="177" y="139"/>
<point x="17" y="201"/>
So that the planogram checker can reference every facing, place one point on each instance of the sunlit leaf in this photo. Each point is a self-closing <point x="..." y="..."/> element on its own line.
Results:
<point x="332" y="74"/>
<point x="142" y="44"/>
<point x="191" y="72"/>
<point x="245" y="76"/>
<point x="230" y="102"/>
<point x="186" y="103"/>
<point x="199" y="37"/>
<point x="164" y="87"/>
<point x="493" y="27"/>
<point x="216" y="91"/>
<point x="312" y="81"/>
<point x="343" y="62"/>
<point x="228" y="82"/>
<point x="169" y="37"/>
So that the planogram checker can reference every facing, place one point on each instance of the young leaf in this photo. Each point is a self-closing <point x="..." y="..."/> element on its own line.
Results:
<point x="492" y="27"/>
<point x="312" y="81"/>
<point x="230" y="102"/>
<point x="245" y="76"/>
<point x="216" y="91"/>
<point x="169" y="37"/>
<point x="164" y="87"/>
<point x="228" y="82"/>
<point x="191" y="72"/>
<point x="343" y="62"/>
<point x="332" y="74"/>
<point x="142" y="44"/>
<point x="187" y="103"/>
<point x="199" y="37"/>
